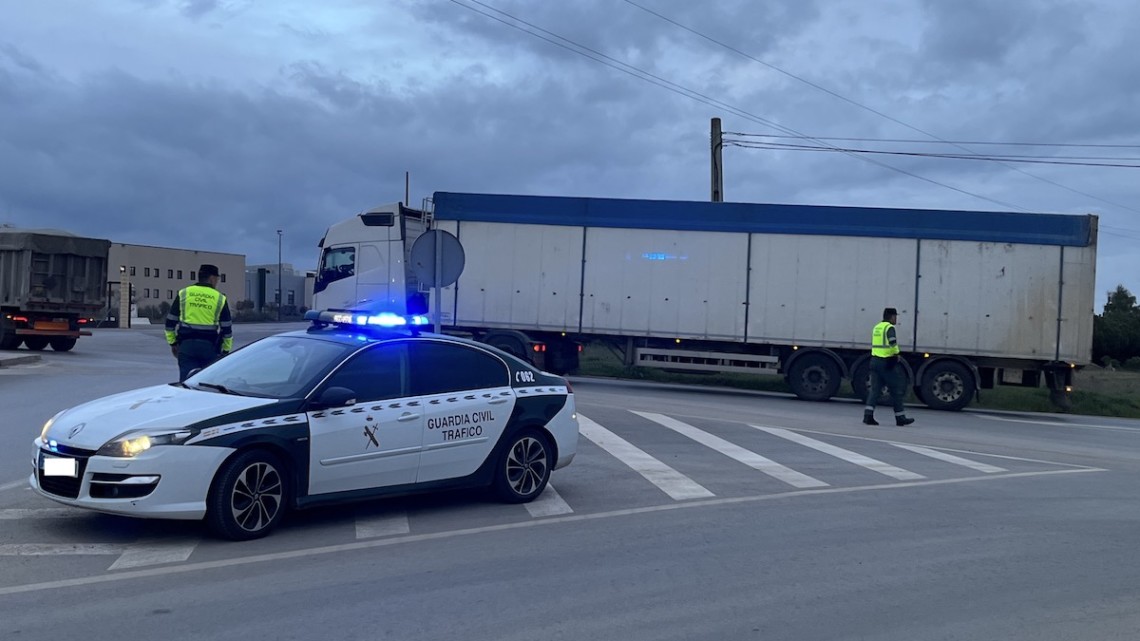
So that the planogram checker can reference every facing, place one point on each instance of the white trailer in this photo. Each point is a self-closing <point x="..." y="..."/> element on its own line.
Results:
<point x="984" y="298"/>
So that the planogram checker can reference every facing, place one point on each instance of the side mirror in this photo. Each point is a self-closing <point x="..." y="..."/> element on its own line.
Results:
<point x="335" y="397"/>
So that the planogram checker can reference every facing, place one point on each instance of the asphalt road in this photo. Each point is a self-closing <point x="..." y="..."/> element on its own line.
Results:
<point x="688" y="514"/>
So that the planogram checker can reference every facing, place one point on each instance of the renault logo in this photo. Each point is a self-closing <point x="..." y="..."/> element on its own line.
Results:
<point x="75" y="430"/>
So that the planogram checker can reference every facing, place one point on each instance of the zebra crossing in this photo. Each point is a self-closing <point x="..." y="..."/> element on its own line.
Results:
<point x="626" y="459"/>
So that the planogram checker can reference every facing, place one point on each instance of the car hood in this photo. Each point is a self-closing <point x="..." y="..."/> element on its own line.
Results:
<point x="92" y="424"/>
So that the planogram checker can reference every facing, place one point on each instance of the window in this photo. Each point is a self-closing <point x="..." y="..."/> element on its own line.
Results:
<point x="146" y="272"/>
<point x="277" y="367"/>
<point x="336" y="263"/>
<point x="170" y="294"/>
<point x="223" y="278"/>
<point x="292" y="297"/>
<point x="146" y="292"/>
<point x="193" y="275"/>
<point x="170" y="273"/>
<point x="277" y="296"/>
<point x="438" y="368"/>
<point x="376" y="374"/>
<point x="180" y="274"/>
<point x="157" y="273"/>
<point x="132" y="270"/>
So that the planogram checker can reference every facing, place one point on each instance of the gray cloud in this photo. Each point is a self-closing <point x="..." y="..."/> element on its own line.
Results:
<point x="216" y="155"/>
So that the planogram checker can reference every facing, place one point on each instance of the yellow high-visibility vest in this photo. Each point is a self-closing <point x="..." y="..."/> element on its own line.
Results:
<point x="880" y="346"/>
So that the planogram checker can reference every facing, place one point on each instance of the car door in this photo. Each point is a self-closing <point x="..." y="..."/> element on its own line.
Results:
<point x="377" y="441"/>
<point x="467" y="399"/>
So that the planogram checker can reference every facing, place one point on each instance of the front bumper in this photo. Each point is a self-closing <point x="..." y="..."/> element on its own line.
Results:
<point x="184" y="474"/>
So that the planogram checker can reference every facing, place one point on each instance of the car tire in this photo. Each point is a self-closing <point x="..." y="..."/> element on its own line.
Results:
<point x="524" y="467"/>
<point x="248" y="496"/>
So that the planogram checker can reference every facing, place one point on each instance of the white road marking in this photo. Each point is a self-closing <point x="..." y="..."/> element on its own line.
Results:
<point x="676" y="485"/>
<point x="435" y="536"/>
<point x="549" y="503"/>
<point x="847" y="455"/>
<point x="950" y="458"/>
<point x="13" y="485"/>
<point x="1083" y="426"/>
<point x="145" y="553"/>
<point x="370" y="527"/>
<point x="733" y="451"/>
<point x="42" y="513"/>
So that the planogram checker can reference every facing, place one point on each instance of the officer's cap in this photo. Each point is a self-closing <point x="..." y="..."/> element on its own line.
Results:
<point x="205" y="271"/>
<point x="888" y="312"/>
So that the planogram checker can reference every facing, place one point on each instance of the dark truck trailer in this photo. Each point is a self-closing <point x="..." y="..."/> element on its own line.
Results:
<point x="51" y="284"/>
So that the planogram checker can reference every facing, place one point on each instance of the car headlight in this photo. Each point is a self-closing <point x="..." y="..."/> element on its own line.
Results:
<point x="130" y="445"/>
<point x="47" y="426"/>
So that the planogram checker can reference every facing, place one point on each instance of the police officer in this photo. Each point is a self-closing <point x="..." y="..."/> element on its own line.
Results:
<point x="886" y="369"/>
<point x="198" y="327"/>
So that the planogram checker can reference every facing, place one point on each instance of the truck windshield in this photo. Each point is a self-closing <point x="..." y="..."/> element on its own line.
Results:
<point x="336" y="263"/>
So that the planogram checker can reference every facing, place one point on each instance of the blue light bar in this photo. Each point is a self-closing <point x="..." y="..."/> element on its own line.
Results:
<point x="367" y="319"/>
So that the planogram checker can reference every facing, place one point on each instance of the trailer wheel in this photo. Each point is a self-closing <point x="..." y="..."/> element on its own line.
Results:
<point x="62" y="344"/>
<point x="814" y="377"/>
<point x="9" y="339"/>
<point x="510" y="345"/>
<point x="947" y="385"/>
<point x="36" y="343"/>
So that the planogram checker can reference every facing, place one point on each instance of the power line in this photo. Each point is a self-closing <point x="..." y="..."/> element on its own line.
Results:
<point x="919" y="154"/>
<point x="948" y="142"/>
<point x="689" y="93"/>
<point x="865" y="107"/>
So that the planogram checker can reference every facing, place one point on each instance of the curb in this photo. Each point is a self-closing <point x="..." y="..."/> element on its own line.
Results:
<point x="6" y="361"/>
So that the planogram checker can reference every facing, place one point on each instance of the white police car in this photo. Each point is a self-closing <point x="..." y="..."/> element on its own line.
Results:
<point x="356" y="406"/>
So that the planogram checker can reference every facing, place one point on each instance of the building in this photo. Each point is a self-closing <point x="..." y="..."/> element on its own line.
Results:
<point x="157" y="273"/>
<point x="261" y="284"/>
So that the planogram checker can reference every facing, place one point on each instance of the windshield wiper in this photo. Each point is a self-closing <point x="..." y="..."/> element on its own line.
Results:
<point x="221" y="388"/>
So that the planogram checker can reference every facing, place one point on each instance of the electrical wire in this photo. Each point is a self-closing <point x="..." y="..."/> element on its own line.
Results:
<point x="948" y="142"/>
<point x="867" y="108"/>
<point x="689" y="93"/>
<point x="918" y="154"/>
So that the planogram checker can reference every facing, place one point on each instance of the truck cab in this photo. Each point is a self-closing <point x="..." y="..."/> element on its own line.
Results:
<point x="365" y="258"/>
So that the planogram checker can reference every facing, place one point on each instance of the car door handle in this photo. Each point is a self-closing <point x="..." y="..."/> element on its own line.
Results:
<point x="497" y="401"/>
<point x="408" y="416"/>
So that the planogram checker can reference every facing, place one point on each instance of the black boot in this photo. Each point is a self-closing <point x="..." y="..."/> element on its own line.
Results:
<point x="869" y="418"/>
<point x="903" y="421"/>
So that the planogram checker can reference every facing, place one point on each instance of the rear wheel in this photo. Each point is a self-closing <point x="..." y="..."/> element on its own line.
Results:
<point x="815" y="377"/>
<point x="248" y="496"/>
<point x="9" y="339"/>
<point x="36" y="343"/>
<point x="62" y="344"/>
<point x="524" y="467"/>
<point x="947" y="385"/>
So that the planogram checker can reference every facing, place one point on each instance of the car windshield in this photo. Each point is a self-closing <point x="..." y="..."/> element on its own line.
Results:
<point x="274" y="367"/>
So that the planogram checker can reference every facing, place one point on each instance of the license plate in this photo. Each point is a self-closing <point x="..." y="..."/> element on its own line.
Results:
<point x="60" y="467"/>
<point x="53" y="325"/>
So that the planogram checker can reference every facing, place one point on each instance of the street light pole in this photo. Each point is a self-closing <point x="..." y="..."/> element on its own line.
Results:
<point x="280" y="294"/>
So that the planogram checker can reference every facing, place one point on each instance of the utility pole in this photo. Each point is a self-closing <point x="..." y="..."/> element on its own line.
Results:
<point x="717" y="167"/>
<point x="280" y="293"/>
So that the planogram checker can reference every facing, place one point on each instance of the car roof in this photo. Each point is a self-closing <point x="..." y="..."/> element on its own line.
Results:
<point x="352" y="336"/>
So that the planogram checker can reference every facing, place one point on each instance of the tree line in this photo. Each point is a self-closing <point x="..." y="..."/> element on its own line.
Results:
<point x="1116" y="332"/>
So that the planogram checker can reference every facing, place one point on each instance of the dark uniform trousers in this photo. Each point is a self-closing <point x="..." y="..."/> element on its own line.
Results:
<point x="889" y="372"/>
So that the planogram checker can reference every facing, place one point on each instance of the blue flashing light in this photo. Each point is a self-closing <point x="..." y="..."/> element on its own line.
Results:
<point x="368" y="319"/>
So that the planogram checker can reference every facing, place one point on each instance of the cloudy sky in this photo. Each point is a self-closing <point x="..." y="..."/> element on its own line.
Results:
<point x="210" y="124"/>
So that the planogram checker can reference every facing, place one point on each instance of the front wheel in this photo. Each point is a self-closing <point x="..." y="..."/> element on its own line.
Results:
<point x="524" y="467"/>
<point x="248" y="496"/>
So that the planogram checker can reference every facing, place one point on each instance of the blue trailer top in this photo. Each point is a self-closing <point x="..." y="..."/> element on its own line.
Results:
<point x="933" y="224"/>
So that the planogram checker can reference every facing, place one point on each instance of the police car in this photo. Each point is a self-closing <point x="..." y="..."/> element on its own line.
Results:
<point x="358" y="405"/>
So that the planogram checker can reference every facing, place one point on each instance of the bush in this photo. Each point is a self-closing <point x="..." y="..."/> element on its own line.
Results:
<point x="1132" y="364"/>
